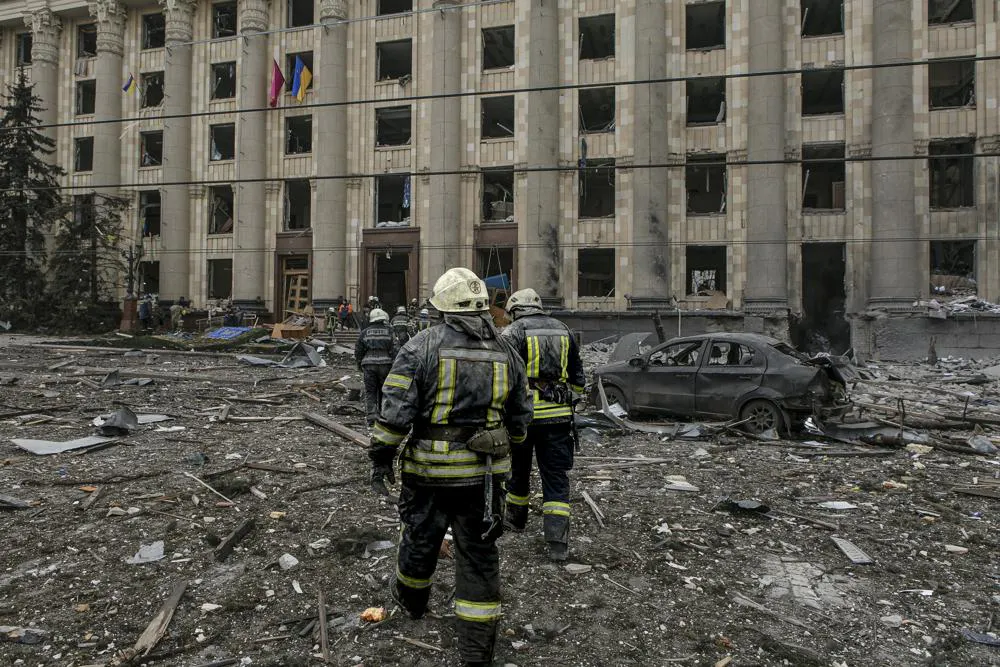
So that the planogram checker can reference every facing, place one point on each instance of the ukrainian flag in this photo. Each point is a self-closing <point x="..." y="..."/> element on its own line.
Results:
<point x="130" y="85"/>
<point x="301" y="79"/>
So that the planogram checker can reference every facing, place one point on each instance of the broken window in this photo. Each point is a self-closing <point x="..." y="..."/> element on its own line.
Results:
<point x="597" y="37"/>
<point x="596" y="272"/>
<point x="23" y="48"/>
<point x="392" y="200"/>
<point x="731" y="354"/>
<point x="220" y="278"/>
<point x="149" y="277"/>
<point x="300" y="13"/>
<point x="706" y="268"/>
<point x="498" y="195"/>
<point x="393" y="126"/>
<point x="86" y="96"/>
<point x="953" y="268"/>
<point x="151" y="148"/>
<point x="153" y="31"/>
<point x="307" y="59"/>
<point x="950" y="11"/>
<point x="705" y="180"/>
<point x="83" y="154"/>
<point x="220" y="209"/>
<point x="394" y="60"/>
<point x="86" y="41"/>
<point x="223" y="20"/>
<point x="84" y="213"/>
<point x="597" y="189"/>
<point x="822" y="92"/>
<point x="705" y="26"/>
<point x="498" y="117"/>
<point x="823" y="177"/>
<point x="149" y="212"/>
<point x="152" y="89"/>
<point x="498" y="47"/>
<point x="952" y="83"/>
<point x="952" y="173"/>
<point x="223" y="142"/>
<point x="386" y="7"/>
<point x="223" y="81"/>
<point x="678" y="354"/>
<point x="298" y="204"/>
<point x="706" y="101"/>
<point x="597" y="109"/>
<point x="822" y="17"/>
<point x="299" y="136"/>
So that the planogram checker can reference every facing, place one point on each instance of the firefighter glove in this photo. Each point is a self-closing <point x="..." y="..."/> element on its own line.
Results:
<point x="381" y="471"/>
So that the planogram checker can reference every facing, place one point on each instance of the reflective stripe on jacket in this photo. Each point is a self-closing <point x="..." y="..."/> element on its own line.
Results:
<point x="376" y="346"/>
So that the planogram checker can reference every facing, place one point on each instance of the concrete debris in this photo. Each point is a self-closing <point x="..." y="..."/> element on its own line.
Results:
<point x="148" y="553"/>
<point x="48" y="447"/>
<point x="287" y="562"/>
<point x="9" y="633"/>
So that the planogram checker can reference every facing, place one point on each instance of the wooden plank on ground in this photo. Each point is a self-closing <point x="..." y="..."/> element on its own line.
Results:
<point x="336" y="427"/>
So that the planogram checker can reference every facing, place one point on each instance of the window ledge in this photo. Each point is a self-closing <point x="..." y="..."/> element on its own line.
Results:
<point x="716" y="214"/>
<point x="832" y="114"/>
<point x="602" y="218"/>
<point x="823" y="36"/>
<point x="952" y="24"/>
<point x="953" y="209"/>
<point x="393" y="147"/>
<point x="596" y="60"/>
<point x="706" y="124"/>
<point x="495" y="140"/>
<point x="300" y="156"/>
<point x="215" y="100"/>
<point x="230" y="160"/>
<point x="149" y="167"/>
<point x="218" y="234"/>
<point x="824" y="211"/>
<point x="148" y="49"/>
<point x="706" y="49"/>
<point x="958" y="107"/>
<point x="296" y="232"/>
<point x="85" y="116"/>
<point x="499" y="70"/>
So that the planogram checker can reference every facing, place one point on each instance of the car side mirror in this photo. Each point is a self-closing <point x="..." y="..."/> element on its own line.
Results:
<point x="637" y="362"/>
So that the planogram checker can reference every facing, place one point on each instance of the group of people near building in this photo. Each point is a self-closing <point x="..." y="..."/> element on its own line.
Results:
<point x="464" y="407"/>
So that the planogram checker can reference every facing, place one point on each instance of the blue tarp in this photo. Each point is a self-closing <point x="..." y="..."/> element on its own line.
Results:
<point x="227" y="333"/>
<point x="500" y="281"/>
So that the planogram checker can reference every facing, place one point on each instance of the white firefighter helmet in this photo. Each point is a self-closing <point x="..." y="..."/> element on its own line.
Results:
<point x="401" y="310"/>
<point x="524" y="298"/>
<point x="460" y="290"/>
<point x="378" y="315"/>
<point x="424" y="312"/>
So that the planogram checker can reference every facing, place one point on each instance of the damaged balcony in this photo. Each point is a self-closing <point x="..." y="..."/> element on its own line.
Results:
<point x="597" y="110"/>
<point x="392" y="200"/>
<point x="705" y="26"/>
<point x="823" y="178"/>
<point x="498" y="195"/>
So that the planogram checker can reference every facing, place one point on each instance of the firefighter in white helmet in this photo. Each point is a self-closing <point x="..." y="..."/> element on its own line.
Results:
<point x="555" y="373"/>
<point x="374" y="352"/>
<point x="463" y="393"/>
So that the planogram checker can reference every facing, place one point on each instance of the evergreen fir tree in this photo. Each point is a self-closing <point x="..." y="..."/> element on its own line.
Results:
<point x="30" y="202"/>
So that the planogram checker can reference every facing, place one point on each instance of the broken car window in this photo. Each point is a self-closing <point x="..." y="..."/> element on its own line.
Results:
<point x="678" y="354"/>
<point x="731" y="354"/>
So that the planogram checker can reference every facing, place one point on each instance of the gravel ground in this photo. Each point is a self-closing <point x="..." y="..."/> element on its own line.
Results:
<point x="673" y="576"/>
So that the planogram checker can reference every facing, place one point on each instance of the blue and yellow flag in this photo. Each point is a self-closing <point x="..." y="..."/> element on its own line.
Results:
<point x="130" y="85"/>
<point x="301" y="79"/>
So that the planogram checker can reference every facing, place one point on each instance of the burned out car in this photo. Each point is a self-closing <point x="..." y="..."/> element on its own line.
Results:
<point x="753" y="378"/>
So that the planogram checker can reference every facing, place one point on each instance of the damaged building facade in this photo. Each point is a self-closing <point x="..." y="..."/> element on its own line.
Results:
<point x="765" y="208"/>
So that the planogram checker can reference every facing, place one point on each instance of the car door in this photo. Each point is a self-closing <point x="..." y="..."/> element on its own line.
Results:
<point x="731" y="369"/>
<point x="667" y="382"/>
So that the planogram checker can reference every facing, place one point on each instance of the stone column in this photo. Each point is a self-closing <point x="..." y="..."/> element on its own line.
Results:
<point x="895" y="271"/>
<point x="444" y="192"/>
<point x="651" y="256"/>
<point x="110" y="15"/>
<point x="329" y="227"/>
<point x="537" y="193"/>
<point x="175" y="234"/>
<point x="45" y="30"/>
<point x="767" y="227"/>
<point x="250" y="257"/>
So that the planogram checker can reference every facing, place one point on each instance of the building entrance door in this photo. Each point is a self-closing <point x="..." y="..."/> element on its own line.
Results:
<point x="391" y="274"/>
<point x="823" y="327"/>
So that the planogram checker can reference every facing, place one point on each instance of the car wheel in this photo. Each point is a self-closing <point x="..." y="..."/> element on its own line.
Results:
<point x="616" y="395"/>
<point x="760" y="416"/>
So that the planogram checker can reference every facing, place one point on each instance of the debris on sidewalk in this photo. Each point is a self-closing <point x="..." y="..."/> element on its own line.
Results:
<point x="47" y="447"/>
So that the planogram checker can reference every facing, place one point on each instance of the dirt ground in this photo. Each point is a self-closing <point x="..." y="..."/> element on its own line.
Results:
<point x="673" y="577"/>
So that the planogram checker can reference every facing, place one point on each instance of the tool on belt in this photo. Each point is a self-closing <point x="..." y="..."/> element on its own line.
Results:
<point x="490" y="442"/>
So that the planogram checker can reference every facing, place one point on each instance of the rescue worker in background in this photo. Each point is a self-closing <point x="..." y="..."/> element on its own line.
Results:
<point x="401" y="326"/>
<point x="464" y="393"/>
<point x="412" y="310"/>
<point x="374" y="352"/>
<point x="555" y="372"/>
<point x="424" y="320"/>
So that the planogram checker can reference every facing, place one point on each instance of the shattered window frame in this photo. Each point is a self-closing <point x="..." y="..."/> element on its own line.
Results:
<point x="86" y="40"/>
<point x="154" y="31"/>
<point x="494" y="110"/>
<point x="936" y="12"/>
<point x="221" y="209"/>
<point x="496" y="55"/>
<point x="817" y="104"/>
<point x="824" y="161"/>
<point x="149" y="277"/>
<point x="705" y="94"/>
<point x="952" y="267"/>
<point x="220" y="137"/>
<point x="300" y="13"/>
<point x="221" y="72"/>
<point x="224" y="20"/>
<point x="83" y="154"/>
<point x="705" y="268"/>
<point x="298" y="135"/>
<point x="600" y="175"/>
<point x="733" y="354"/>
<point x="385" y="54"/>
<point x="389" y="132"/>
<point x="497" y="195"/>
<point x="392" y="7"/>
<point x="86" y="97"/>
<point x="392" y="209"/>
<point x="602" y="122"/>
<point x="959" y="88"/>
<point x="592" y="48"/>
<point x="703" y="169"/>
<point x="213" y="278"/>
<point x="708" y="39"/>
<point x="150" y="212"/>
<point x="151" y="148"/>
<point x="22" y="49"/>
<point x="596" y="273"/>
<point x="152" y="85"/>
<point x="290" y="212"/>
<point x="952" y="179"/>
<point x="825" y="27"/>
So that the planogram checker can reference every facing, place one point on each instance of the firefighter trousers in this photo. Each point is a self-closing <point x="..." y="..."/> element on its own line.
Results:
<point x="426" y="512"/>
<point x="552" y="445"/>
<point x="374" y="379"/>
